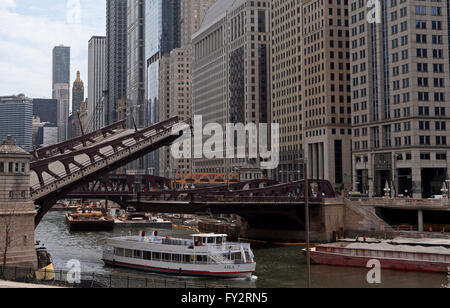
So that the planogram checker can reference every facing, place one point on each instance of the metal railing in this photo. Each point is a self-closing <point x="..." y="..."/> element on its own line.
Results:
<point x="61" y="278"/>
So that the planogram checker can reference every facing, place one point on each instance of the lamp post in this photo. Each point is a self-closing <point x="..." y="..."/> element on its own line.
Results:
<point x="303" y="162"/>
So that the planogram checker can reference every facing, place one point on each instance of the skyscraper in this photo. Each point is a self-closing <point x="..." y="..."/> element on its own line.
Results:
<point x="400" y="70"/>
<point x="46" y="110"/>
<point x="192" y="14"/>
<point x="136" y="62"/>
<point x="61" y="64"/>
<point x="61" y="88"/>
<point x="16" y="119"/>
<point x="77" y="99"/>
<point x="116" y="57"/>
<point x="97" y="83"/>
<point x="230" y="73"/>
<point x="162" y="35"/>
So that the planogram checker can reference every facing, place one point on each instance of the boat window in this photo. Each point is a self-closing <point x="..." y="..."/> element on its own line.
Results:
<point x="236" y="256"/>
<point x="167" y="257"/>
<point x="201" y="259"/>
<point x="147" y="255"/>
<point x="211" y="240"/>
<point x="219" y="241"/>
<point x="177" y="258"/>
<point x="156" y="256"/>
<point x="128" y="253"/>
<point x="188" y="259"/>
<point x="119" y="252"/>
<point x="137" y="254"/>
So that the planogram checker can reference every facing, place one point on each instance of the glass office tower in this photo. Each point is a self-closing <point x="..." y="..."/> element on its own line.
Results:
<point x="162" y="29"/>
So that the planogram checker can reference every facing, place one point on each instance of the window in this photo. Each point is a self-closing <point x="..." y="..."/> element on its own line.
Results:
<point x="441" y="156"/>
<point x="137" y="254"/>
<point x="425" y="156"/>
<point x="2" y="167"/>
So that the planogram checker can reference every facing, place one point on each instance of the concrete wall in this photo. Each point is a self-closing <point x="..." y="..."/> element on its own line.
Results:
<point x="20" y="217"/>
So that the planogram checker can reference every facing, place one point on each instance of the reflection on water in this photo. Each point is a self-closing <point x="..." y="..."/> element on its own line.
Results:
<point x="277" y="267"/>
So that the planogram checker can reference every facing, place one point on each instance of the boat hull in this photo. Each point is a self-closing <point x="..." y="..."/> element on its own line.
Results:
<point x="324" y="258"/>
<point x="219" y="271"/>
<point x="90" y="225"/>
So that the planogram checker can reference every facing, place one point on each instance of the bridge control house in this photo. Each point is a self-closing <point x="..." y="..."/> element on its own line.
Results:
<point x="17" y="210"/>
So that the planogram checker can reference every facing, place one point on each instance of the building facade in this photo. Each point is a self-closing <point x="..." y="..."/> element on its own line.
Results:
<point x="77" y="99"/>
<point x="325" y="74"/>
<point x="61" y="89"/>
<point x="192" y="14"/>
<point x="16" y="119"/>
<point x="96" y="83"/>
<point x="287" y="88"/>
<point x="46" y="110"/>
<point x="162" y="35"/>
<point x="400" y="79"/>
<point x="116" y="57"/>
<point x="17" y="210"/>
<point x="230" y="72"/>
<point x="61" y="92"/>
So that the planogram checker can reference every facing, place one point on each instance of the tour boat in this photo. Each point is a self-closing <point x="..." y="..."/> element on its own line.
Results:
<point x="403" y="255"/>
<point x="203" y="255"/>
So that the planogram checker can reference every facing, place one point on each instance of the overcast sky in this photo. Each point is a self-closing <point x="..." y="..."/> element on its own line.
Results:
<point x="29" y="30"/>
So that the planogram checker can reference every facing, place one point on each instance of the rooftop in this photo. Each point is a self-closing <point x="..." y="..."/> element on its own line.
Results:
<point x="217" y="11"/>
<point x="9" y="147"/>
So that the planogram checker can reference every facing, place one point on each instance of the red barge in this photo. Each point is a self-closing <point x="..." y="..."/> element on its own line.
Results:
<point x="393" y="255"/>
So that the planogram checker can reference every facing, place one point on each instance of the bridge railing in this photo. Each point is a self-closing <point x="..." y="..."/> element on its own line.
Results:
<point x="62" y="278"/>
<point x="127" y="143"/>
<point x="223" y="199"/>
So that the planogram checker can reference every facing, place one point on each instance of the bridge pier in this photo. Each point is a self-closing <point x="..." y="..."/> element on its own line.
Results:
<point x="17" y="211"/>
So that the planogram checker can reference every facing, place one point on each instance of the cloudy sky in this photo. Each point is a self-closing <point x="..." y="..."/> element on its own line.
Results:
<point x="29" y="30"/>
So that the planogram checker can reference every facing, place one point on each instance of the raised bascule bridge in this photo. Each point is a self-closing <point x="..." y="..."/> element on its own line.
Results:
<point x="82" y="167"/>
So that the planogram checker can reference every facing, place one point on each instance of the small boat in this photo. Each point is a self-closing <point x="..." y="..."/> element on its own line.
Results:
<point x="402" y="255"/>
<point x="203" y="255"/>
<point x="89" y="220"/>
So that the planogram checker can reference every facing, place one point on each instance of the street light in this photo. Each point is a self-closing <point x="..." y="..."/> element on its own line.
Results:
<point x="307" y="220"/>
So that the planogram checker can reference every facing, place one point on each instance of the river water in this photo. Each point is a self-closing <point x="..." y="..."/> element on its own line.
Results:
<point x="277" y="266"/>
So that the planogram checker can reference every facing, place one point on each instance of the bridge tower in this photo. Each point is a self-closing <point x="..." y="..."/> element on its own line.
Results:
<point x="17" y="210"/>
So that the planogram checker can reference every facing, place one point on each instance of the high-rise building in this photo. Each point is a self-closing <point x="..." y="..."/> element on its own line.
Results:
<point x="61" y="92"/>
<point x="399" y="71"/>
<point x="136" y="62"/>
<point x="325" y="76"/>
<point x="230" y="73"/>
<point x="77" y="99"/>
<point x="61" y="64"/>
<point x="61" y="88"/>
<point x="180" y="102"/>
<point x="311" y="92"/>
<point x="16" y="119"/>
<point x="46" y="110"/>
<point x="192" y="14"/>
<point x="286" y="82"/>
<point x="162" y="35"/>
<point x="116" y="57"/>
<point x="179" y="78"/>
<point x="96" y="83"/>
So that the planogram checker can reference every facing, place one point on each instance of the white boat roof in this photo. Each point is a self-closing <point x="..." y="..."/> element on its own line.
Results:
<point x="209" y="235"/>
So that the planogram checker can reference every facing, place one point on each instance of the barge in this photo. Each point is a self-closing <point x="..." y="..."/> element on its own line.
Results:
<point x="400" y="255"/>
<point x="88" y="220"/>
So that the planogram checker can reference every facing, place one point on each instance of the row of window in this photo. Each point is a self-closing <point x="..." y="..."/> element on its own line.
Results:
<point x="12" y="167"/>
<point x="168" y="257"/>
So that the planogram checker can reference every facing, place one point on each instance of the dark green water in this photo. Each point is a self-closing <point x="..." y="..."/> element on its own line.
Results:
<point x="277" y="267"/>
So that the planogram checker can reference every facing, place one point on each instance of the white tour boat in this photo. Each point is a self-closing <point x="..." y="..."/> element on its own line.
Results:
<point x="203" y="255"/>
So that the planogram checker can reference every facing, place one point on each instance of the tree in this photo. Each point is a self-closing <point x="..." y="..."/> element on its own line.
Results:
<point x="8" y="240"/>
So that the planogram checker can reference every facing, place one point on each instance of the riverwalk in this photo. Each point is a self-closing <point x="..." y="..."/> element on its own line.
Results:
<point x="17" y="285"/>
